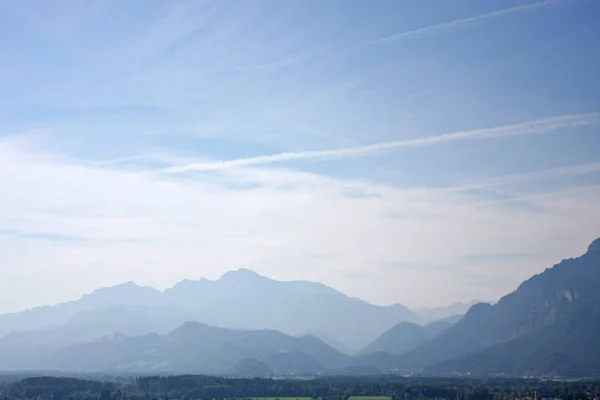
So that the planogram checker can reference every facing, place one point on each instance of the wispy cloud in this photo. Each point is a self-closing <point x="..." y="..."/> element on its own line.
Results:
<point x="193" y="83"/>
<point x="482" y="257"/>
<point x="579" y="169"/>
<point x="52" y="237"/>
<point x="540" y="126"/>
<point x="449" y="26"/>
<point x="171" y="223"/>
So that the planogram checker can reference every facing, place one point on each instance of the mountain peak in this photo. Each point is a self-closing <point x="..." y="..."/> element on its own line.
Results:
<point x="241" y="273"/>
<point x="122" y="287"/>
<point x="190" y="328"/>
<point x="594" y="247"/>
<point x="128" y="284"/>
<point x="128" y="293"/>
<point x="479" y="309"/>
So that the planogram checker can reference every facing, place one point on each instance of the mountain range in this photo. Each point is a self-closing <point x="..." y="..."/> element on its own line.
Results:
<point x="245" y="324"/>
<point x="440" y="313"/>
<point x="240" y="299"/>
<point x="196" y="347"/>
<point x="406" y="336"/>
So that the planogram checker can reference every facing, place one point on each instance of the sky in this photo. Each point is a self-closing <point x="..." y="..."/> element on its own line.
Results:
<point x="402" y="151"/>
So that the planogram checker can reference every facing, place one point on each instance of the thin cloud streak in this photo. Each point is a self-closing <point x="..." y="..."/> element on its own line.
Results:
<point x="452" y="24"/>
<point x="536" y="127"/>
<point x="579" y="169"/>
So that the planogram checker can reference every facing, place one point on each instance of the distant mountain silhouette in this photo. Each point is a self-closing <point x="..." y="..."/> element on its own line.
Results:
<point x="16" y="349"/>
<point x="240" y="299"/>
<point x="198" y="348"/>
<point x="406" y="336"/>
<point x="438" y="326"/>
<point x="333" y="342"/>
<point x="245" y="300"/>
<point x="127" y="294"/>
<point x="437" y="313"/>
<point x="549" y="326"/>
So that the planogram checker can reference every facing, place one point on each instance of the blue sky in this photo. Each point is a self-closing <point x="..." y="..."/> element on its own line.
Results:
<point x="421" y="152"/>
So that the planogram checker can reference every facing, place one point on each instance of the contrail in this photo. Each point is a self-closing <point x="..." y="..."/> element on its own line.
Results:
<point x="536" y="127"/>
<point x="446" y="26"/>
<point x="578" y="169"/>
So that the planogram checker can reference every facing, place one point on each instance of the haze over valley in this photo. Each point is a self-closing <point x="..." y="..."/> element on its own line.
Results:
<point x="245" y="324"/>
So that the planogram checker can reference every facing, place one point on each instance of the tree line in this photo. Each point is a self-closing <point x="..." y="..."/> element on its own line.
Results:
<point x="197" y="387"/>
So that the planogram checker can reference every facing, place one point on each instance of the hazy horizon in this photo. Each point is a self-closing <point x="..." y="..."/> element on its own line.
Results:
<point x="415" y="152"/>
<point x="162" y="290"/>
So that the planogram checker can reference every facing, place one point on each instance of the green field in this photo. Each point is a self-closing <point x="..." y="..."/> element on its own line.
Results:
<point x="282" y="398"/>
<point x="370" y="398"/>
<point x="309" y="398"/>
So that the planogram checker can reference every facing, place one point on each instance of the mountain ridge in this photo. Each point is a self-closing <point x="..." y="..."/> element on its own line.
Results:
<point x="197" y="348"/>
<point x="243" y="322"/>
<point x="406" y="336"/>
<point x="240" y="299"/>
<point x="559" y="308"/>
